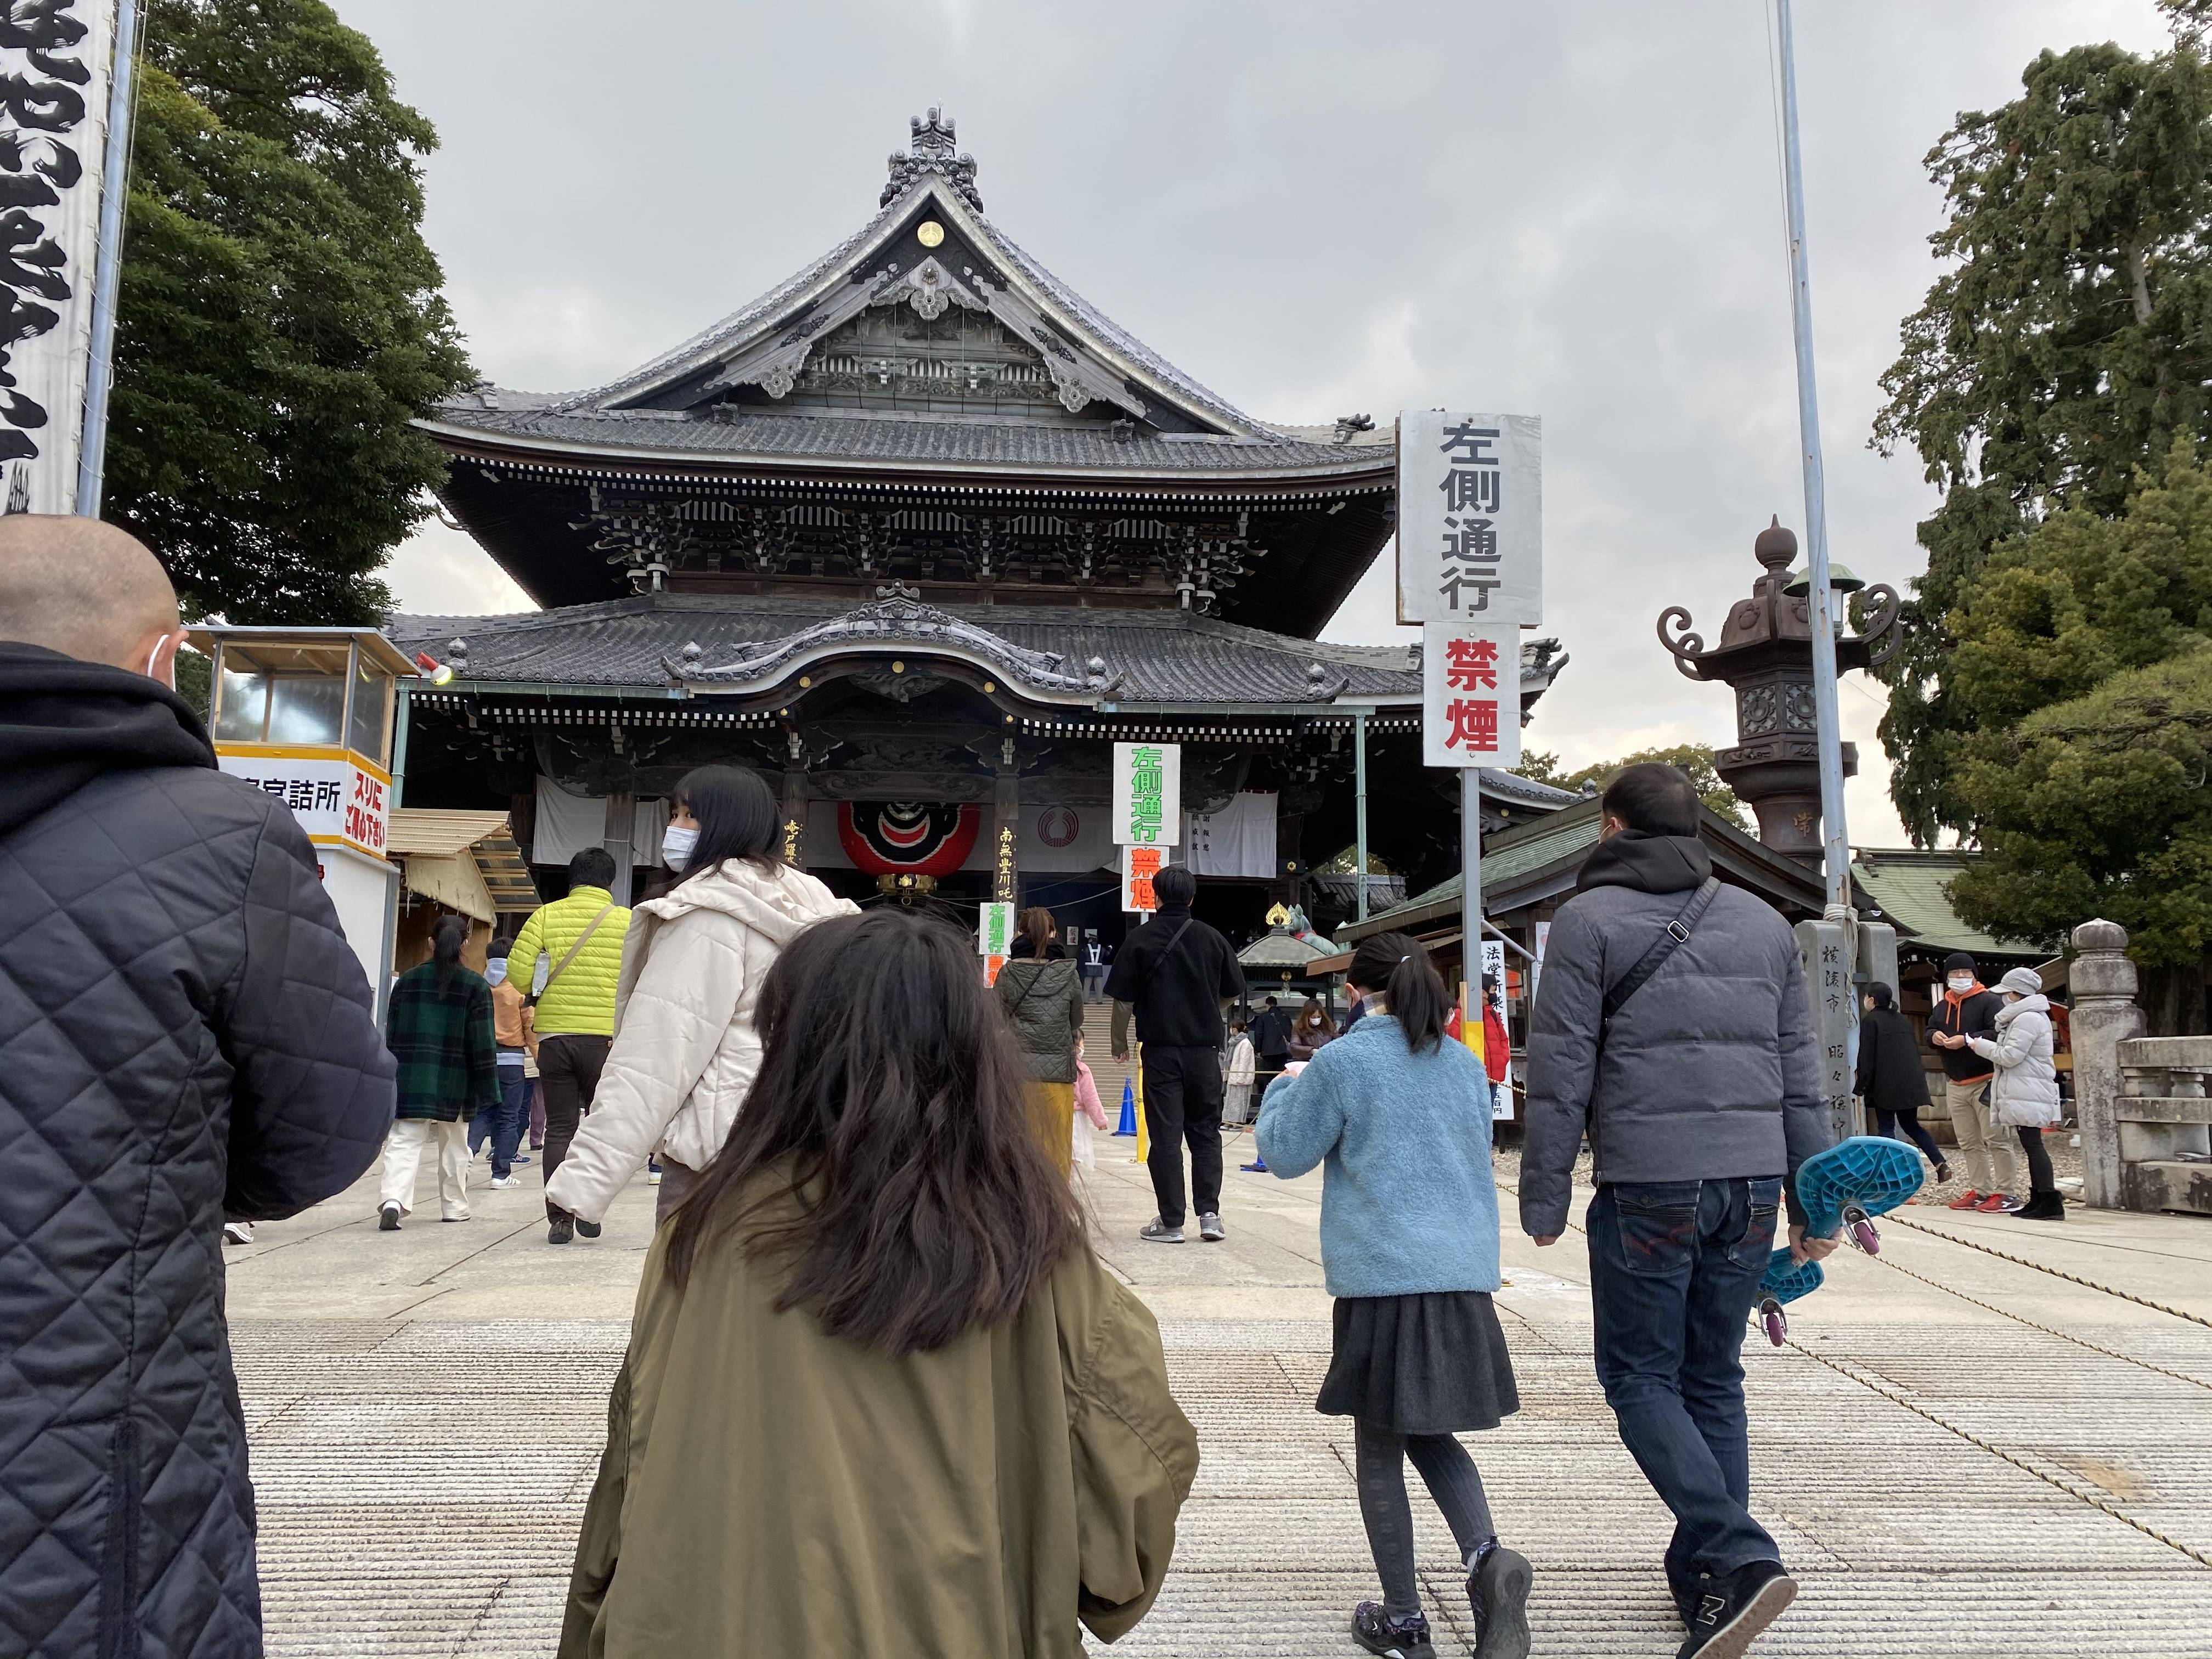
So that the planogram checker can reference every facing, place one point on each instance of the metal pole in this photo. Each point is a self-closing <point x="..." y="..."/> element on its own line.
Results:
<point x="1470" y="902"/>
<point x="399" y="723"/>
<point x="107" y="267"/>
<point x="1359" y="809"/>
<point x="1837" y="855"/>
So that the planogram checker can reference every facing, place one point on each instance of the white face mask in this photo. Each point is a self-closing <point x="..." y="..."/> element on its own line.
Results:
<point x="1960" y="981"/>
<point x="677" y="845"/>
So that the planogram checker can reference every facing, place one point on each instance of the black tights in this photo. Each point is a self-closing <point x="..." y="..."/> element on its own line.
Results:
<point x="1450" y="1475"/>
<point x="2039" y="1178"/>
<point x="1890" y="1123"/>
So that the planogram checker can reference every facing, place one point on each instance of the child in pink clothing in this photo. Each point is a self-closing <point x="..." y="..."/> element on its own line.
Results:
<point x="1087" y="1106"/>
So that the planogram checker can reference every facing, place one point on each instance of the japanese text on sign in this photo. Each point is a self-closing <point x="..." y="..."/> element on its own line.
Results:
<point x="995" y="933"/>
<point x="1470" y="524"/>
<point x="1148" y="794"/>
<point x="1138" y="865"/>
<point x="335" y="799"/>
<point x="1471" y="696"/>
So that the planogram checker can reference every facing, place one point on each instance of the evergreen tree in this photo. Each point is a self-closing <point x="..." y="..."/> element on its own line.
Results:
<point x="1695" y="758"/>
<point x="2082" y="663"/>
<point x="281" y="321"/>
<point x="2063" y="354"/>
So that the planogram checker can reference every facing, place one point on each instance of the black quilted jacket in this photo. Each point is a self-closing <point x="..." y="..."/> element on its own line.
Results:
<point x="182" y="1031"/>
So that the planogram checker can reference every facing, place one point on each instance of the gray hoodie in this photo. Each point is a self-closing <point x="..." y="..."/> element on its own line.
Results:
<point x="1710" y="1071"/>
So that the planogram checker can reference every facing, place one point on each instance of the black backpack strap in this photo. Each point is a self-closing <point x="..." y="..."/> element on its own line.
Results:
<point x="1675" y="934"/>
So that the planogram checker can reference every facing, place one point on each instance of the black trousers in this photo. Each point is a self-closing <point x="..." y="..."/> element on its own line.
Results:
<point x="1183" y="1104"/>
<point x="2039" y="1177"/>
<point x="569" y="1068"/>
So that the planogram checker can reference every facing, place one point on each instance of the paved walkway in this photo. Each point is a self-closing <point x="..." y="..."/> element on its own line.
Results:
<point x="1962" y="1455"/>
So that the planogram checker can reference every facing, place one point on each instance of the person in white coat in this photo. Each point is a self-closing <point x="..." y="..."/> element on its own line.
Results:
<point x="2024" y="1092"/>
<point x="685" y="1050"/>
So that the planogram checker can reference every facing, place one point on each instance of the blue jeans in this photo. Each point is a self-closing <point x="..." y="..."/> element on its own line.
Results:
<point x="1674" y="1269"/>
<point x="502" y="1124"/>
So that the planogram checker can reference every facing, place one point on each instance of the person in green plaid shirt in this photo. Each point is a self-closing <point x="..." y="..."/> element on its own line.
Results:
<point x="441" y="1032"/>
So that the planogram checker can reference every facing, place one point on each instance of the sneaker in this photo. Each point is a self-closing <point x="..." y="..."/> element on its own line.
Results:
<point x="1257" y="1166"/>
<point x="1211" y="1229"/>
<point x="1995" y="1204"/>
<point x="1968" y="1200"/>
<point x="1156" y="1231"/>
<point x="499" y="1181"/>
<point x="387" y="1218"/>
<point x="238" y="1232"/>
<point x="519" y="1160"/>
<point x="1498" y="1590"/>
<point x="560" y="1233"/>
<point x="1403" y="1637"/>
<point x="653" y="1175"/>
<point x="1733" y="1609"/>
<point x="586" y="1229"/>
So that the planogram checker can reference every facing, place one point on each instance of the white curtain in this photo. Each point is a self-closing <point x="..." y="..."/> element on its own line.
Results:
<point x="1237" y="840"/>
<point x="566" y="824"/>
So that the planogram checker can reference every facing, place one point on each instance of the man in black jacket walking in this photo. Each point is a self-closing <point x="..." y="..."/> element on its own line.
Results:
<point x="187" y="1034"/>
<point x="1174" y="973"/>
<point x="1699" y="1091"/>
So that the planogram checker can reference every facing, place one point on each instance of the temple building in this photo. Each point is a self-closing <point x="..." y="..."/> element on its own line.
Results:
<point x="920" y="533"/>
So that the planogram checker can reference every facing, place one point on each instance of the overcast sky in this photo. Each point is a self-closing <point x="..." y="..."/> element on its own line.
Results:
<point x="1570" y="210"/>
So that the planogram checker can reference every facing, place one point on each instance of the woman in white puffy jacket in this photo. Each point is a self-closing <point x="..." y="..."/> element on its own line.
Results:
<point x="685" y="1050"/>
<point x="2024" y="1092"/>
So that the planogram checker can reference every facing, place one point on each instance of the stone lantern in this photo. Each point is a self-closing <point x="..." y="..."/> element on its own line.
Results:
<point x="1765" y="654"/>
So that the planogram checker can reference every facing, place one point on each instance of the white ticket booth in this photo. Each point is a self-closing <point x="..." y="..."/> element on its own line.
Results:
<point x="306" y="714"/>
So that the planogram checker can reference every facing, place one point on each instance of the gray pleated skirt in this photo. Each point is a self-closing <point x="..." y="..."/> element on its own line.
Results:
<point x="1432" y="1363"/>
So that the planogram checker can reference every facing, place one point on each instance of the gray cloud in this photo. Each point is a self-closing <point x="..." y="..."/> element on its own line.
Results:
<point x="1571" y="210"/>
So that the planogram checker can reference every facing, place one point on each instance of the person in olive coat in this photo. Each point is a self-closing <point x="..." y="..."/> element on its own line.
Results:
<point x="1891" y="1079"/>
<point x="1042" y="992"/>
<point x="881" y="1398"/>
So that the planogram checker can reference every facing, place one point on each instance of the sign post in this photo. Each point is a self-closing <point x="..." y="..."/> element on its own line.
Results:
<point x="1471" y="572"/>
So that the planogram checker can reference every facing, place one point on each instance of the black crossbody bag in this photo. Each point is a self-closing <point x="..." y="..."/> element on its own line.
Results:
<point x="1672" y="937"/>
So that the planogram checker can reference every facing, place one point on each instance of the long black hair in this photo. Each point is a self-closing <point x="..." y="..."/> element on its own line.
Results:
<point x="447" y="935"/>
<point x="1397" y="964"/>
<point x="886" y="1153"/>
<point x="738" y="818"/>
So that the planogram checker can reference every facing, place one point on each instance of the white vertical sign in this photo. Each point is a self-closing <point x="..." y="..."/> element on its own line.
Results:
<point x="1494" y="967"/>
<point x="1147" y="794"/>
<point x="1470" y="518"/>
<point x="55" y="61"/>
<point x="1471" y="694"/>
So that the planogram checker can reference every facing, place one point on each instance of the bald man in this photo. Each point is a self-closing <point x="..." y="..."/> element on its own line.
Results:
<point x="185" y="1034"/>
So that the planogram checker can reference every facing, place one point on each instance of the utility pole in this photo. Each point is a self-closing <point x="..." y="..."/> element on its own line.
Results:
<point x="107" y="267"/>
<point x="1837" y="851"/>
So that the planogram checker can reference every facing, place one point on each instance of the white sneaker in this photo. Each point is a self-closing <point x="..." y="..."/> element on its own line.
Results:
<point x="238" y="1232"/>
<point x="498" y="1182"/>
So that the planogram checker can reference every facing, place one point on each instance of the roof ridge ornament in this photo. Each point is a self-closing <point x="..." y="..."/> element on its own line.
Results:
<point x="897" y="615"/>
<point x="930" y="150"/>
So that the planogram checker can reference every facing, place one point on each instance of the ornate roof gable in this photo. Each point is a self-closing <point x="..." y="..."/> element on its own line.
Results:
<point x="897" y="616"/>
<point x="930" y="248"/>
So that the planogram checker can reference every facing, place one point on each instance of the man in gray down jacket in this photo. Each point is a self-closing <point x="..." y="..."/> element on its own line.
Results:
<point x="1700" y="1096"/>
<point x="183" y="1034"/>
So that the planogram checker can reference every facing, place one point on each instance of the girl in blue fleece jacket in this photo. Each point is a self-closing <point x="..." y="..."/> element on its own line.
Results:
<point x="1397" y="1115"/>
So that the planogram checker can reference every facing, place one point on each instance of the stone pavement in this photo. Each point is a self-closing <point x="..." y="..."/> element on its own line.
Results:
<point x="1962" y="1455"/>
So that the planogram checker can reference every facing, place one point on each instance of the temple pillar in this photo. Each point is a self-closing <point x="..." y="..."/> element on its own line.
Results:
<point x="621" y="825"/>
<point x="794" y="816"/>
<point x="1006" y="827"/>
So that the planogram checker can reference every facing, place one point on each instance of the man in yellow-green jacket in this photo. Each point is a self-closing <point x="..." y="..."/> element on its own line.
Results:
<point x="579" y="940"/>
